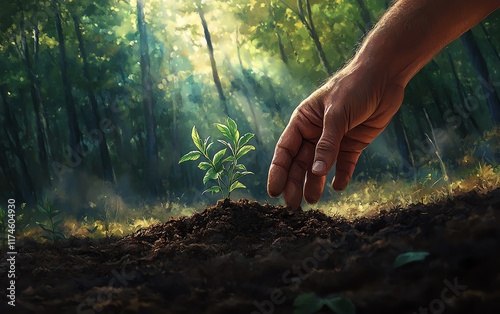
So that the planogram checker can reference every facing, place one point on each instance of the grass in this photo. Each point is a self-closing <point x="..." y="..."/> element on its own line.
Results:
<point x="369" y="197"/>
<point x="119" y="224"/>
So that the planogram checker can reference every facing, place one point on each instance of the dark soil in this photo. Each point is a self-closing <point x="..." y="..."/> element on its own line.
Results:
<point x="243" y="257"/>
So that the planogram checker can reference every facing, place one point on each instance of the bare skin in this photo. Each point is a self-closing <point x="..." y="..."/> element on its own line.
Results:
<point x="340" y="119"/>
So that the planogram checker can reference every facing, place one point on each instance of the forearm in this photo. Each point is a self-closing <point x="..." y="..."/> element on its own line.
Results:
<point x="412" y="32"/>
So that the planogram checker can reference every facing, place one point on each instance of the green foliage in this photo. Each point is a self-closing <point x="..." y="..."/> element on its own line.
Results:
<point x="226" y="171"/>
<point x="409" y="257"/>
<point x="51" y="227"/>
<point x="310" y="303"/>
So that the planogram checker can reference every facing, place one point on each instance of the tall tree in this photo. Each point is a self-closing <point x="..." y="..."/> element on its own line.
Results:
<point x="306" y="19"/>
<point x="365" y="15"/>
<point x="12" y="130"/>
<point x="479" y="65"/>
<point x="272" y="16"/>
<point x="462" y="97"/>
<point x="75" y="134"/>
<point x="213" y="64"/>
<point x="107" y="169"/>
<point x="41" y="126"/>
<point x="148" y="102"/>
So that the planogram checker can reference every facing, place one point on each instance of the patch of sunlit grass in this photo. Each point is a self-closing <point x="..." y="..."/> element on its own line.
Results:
<point x="370" y="197"/>
<point x="126" y="223"/>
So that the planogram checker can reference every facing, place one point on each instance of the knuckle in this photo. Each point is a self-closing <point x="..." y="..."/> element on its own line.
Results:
<point x="326" y="144"/>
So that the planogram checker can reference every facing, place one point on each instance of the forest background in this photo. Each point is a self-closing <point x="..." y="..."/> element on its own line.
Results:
<point x="98" y="98"/>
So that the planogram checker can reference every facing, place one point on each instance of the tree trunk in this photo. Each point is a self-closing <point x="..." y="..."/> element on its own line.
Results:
<point x="308" y="22"/>
<point x="148" y="101"/>
<point x="479" y="64"/>
<point x="10" y="172"/>
<point x="404" y="147"/>
<point x="461" y="95"/>
<point x="41" y="133"/>
<point x="107" y="169"/>
<point x="281" y="47"/>
<point x="215" y="72"/>
<point x="75" y="134"/>
<point x="365" y="15"/>
<point x="12" y="130"/>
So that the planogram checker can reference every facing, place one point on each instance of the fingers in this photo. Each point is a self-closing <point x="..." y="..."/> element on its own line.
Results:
<point x="350" y="150"/>
<point x="295" y="183"/>
<point x="314" y="187"/>
<point x="286" y="149"/>
<point x="334" y="127"/>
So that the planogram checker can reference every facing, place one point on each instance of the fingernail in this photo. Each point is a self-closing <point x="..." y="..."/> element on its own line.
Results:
<point x="319" y="166"/>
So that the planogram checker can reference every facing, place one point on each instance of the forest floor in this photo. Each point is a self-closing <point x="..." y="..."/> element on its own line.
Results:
<point x="243" y="257"/>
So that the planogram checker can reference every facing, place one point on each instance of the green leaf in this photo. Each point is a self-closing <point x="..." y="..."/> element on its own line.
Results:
<point x="41" y="209"/>
<point x="210" y="175"/>
<point x="340" y="305"/>
<point x="57" y="223"/>
<point x="228" y="159"/>
<point x="207" y="150"/>
<point x="236" y="185"/>
<point x="48" y="238"/>
<point x="240" y="167"/>
<point x="196" y="139"/>
<point x="307" y="303"/>
<point x="192" y="155"/>
<point x="217" y="161"/>
<point x="238" y="175"/>
<point x="224" y="130"/>
<point x="204" y="165"/>
<point x="60" y="235"/>
<point x="409" y="257"/>
<point x="226" y="144"/>
<point x="213" y="189"/>
<point x="233" y="128"/>
<point x="205" y="144"/>
<point x="244" y="150"/>
<point x="245" y="139"/>
<point x="44" y="227"/>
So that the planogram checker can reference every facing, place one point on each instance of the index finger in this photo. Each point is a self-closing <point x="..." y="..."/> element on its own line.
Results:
<point x="286" y="149"/>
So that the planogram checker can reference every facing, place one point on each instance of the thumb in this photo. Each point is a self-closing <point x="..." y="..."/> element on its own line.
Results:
<point x="327" y="148"/>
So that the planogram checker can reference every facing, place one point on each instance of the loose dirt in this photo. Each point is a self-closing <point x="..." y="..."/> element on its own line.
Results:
<point x="244" y="257"/>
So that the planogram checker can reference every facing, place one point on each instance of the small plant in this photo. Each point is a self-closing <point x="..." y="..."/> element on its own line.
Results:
<point x="52" y="231"/>
<point x="108" y="217"/>
<point x="225" y="170"/>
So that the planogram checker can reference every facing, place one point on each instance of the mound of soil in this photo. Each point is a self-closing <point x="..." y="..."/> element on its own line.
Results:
<point x="244" y="257"/>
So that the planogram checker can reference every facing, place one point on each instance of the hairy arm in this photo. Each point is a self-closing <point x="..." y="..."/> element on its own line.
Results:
<point x="412" y="32"/>
<point x="336" y="122"/>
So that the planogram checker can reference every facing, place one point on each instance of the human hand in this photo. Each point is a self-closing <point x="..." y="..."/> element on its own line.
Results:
<point x="334" y="124"/>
